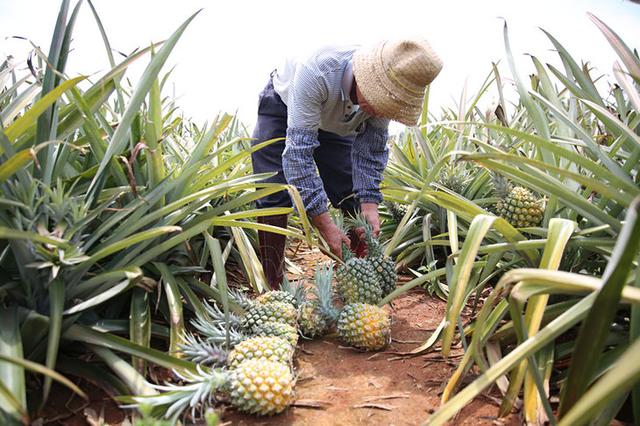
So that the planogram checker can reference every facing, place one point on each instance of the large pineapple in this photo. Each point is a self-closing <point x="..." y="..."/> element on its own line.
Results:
<point x="517" y="204"/>
<point x="361" y="325"/>
<point x="357" y="280"/>
<point x="364" y="326"/>
<point x="256" y="386"/>
<point x="259" y="386"/>
<point x="383" y="265"/>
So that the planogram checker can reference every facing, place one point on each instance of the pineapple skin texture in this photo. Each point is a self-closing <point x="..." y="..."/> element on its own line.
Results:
<point x="271" y="348"/>
<point x="280" y="312"/>
<point x="311" y="321"/>
<point x="385" y="267"/>
<point x="259" y="386"/>
<point x="520" y="208"/>
<point x="364" y="326"/>
<point x="275" y="329"/>
<point x="276" y="296"/>
<point x="358" y="282"/>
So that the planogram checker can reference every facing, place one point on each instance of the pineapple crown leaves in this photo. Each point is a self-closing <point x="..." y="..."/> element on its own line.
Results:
<point x="296" y="289"/>
<point x="203" y="352"/>
<point x="374" y="248"/>
<point x="241" y="298"/>
<point x="197" y="392"/>
<point x="324" y="291"/>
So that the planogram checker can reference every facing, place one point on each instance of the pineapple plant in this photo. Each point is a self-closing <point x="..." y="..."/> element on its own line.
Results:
<point x="517" y="204"/>
<point x="383" y="265"/>
<point x="256" y="386"/>
<point x="361" y="325"/>
<point x="396" y="210"/>
<point x="456" y="178"/>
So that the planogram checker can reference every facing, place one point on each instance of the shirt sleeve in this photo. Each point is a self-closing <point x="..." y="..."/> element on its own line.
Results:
<point x="369" y="158"/>
<point x="304" y="105"/>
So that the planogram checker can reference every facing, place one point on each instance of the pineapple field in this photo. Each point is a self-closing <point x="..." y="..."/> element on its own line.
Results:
<point x="503" y="288"/>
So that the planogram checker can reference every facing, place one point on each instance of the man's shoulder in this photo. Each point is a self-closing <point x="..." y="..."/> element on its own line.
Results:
<point x="330" y="58"/>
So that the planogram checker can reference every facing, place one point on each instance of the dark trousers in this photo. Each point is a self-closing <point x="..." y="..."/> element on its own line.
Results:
<point x="332" y="157"/>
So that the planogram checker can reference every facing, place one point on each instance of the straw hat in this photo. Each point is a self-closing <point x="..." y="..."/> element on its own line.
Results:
<point x="393" y="75"/>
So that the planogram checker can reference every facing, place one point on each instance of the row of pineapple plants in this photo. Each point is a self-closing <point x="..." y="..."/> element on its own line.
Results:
<point x="117" y="219"/>
<point x="542" y="300"/>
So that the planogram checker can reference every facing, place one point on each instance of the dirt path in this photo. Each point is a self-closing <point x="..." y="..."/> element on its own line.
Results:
<point x="355" y="388"/>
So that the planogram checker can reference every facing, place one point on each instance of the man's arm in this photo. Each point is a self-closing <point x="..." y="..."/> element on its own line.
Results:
<point x="304" y="104"/>
<point x="369" y="157"/>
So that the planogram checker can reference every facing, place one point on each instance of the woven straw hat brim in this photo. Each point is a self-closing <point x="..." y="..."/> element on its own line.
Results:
<point x="391" y="95"/>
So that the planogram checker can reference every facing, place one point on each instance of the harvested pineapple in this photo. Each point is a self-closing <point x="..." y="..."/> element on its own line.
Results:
<point x="357" y="280"/>
<point x="272" y="348"/>
<point x="255" y="386"/>
<point x="383" y="265"/>
<point x="361" y="325"/>
<point x="259" y="386"/>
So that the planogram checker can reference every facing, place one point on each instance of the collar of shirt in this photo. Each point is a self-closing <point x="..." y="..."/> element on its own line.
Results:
<point x="347" y="85"/>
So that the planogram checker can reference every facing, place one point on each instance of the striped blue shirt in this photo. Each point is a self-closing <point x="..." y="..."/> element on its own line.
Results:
<point x="316" y="91"/>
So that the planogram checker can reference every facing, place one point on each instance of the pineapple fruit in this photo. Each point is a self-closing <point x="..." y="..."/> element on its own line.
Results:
<point x="260" y="386"/>
<point x="364" y="326"/>
<point x="360" y="325"/>
<point x="272" y="348"/>
<point x="517" y="204"/>
<point x="276" y="296"/>
<point x="357" y="280"/>
<point x="396" y="210"/>
<point x="384" y="267"/>
<point x="255" y="386"/>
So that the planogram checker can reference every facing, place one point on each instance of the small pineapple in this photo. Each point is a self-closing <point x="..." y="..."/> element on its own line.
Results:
<point x="275" y="349"/>
<point x="455" y="178"/>
<point x="357" y="280"/>
<point x="396" y="210"/>
<point x="255" y="386"/>
<point x="312" y="320"/>
<point x="517" y="204"/>
<point x="361" y="325"/>
<point x="384" y="266"/>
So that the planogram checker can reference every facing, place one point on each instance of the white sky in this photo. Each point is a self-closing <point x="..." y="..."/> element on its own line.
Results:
<point x="225" y="56"/>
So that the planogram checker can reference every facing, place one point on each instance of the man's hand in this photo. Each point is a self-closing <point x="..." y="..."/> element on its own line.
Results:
<point x="331" y="233"/>
<point x="370" y="213"/>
